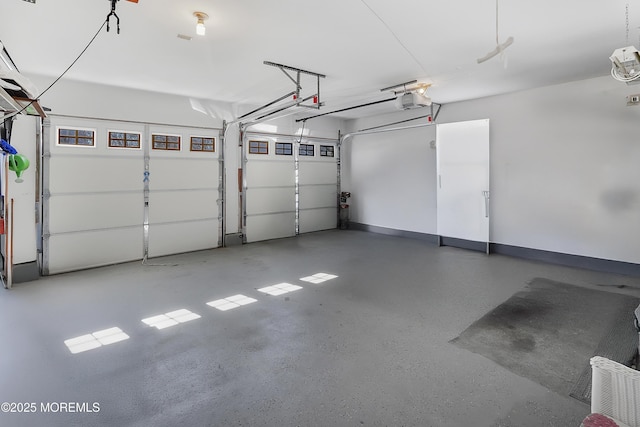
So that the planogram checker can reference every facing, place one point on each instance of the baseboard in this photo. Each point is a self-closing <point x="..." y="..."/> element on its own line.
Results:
<point x="569" y="260"/>
<point x="558" y="258"/>
<point x="463" y="244"/>
<point x="233" y="239"/>
<point x="431" y="238"/>
<point x="26" y="272"/>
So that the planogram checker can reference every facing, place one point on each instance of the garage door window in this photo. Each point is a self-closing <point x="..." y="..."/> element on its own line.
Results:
<point x="77" y="137"/>
<point x="203" y="143"/>
<point x="258" y="147"/>
<point x="284" y="148"/>
<point x="326" y="150"/>
<point x="124" y="140"/>
<point x="165" y="142"/>
<point x="306" y="150"/>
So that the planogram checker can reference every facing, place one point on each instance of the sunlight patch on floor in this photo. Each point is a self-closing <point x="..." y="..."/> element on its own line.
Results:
<point x="95" y="340"/>
<point x="171" y="318"/>
<point x="279" y="289"/>
<point x="318" y="278"/>
<point x="232" y="302"/>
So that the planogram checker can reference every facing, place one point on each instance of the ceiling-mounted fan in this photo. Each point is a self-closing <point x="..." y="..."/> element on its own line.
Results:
<point x="499" y="47"/>
<point x="113" y="13"/>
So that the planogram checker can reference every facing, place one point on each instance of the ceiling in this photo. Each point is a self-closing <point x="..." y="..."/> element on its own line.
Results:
<point x="360" y="45"/>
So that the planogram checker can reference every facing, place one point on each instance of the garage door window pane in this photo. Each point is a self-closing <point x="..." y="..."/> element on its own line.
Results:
<point x="83" y="137"/>
<point x="202" y="143"/>
<point x="306" y="150"/>
<point x="326" y="150"/>
<point x="165" y="142"/>
<point x="258" y="147"/>
<point x="284" y="148"/>
<point x="124" y="140"/>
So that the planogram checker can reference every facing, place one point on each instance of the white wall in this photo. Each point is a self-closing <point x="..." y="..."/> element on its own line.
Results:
<point x="565" y="169"/>
<point x="75" y="98"/>
<point x="391" y="177"/>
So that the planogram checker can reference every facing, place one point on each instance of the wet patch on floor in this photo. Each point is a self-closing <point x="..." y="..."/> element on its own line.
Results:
<point x="547" y="331"/>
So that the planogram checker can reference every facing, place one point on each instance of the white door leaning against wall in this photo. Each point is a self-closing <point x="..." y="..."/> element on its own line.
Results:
<point x="463" y="180"/>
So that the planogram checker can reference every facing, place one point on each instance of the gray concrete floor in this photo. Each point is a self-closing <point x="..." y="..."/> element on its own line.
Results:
<point x="368" y="348"/>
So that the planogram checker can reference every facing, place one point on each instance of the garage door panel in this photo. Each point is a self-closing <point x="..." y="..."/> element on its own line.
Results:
<point x="166" y="239"/>
<point x="87" y="174"/>
<point x="318" y="219"/>
<point x="77" y="212"/>
<point x="270" y="174"/>
<point x="75" y="251"/>
<point x="318" y="173"/>
<point x="177" y="174"/>
<point x="168" y="206"/>
<point x="269" y="200"/>
<point x="318" y="196"/>
<point x="274" y="226"/>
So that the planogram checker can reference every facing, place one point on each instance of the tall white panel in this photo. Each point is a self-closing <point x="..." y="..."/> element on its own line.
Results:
<point x="463" y="180"/>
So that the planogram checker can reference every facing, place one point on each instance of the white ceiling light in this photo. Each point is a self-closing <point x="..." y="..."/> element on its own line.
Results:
<point x="200" y="28"/>
<point x="422" y="88"/>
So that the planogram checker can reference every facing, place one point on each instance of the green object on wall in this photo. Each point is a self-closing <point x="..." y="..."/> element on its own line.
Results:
<point x="18" y="163"/>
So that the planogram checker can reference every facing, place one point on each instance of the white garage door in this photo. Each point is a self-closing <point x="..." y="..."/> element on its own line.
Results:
<point x="286" y="193"/>
<point x="94" y="194"/>
<point x="318" y="187"/>
<point x="184" y="193"/>
<point x="269" y="189"/>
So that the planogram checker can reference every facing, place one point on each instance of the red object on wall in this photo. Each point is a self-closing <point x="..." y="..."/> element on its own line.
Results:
<point x="1" y="225"/>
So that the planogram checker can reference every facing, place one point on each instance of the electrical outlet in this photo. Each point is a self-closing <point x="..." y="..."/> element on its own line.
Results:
<point x="633" y="100"/>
